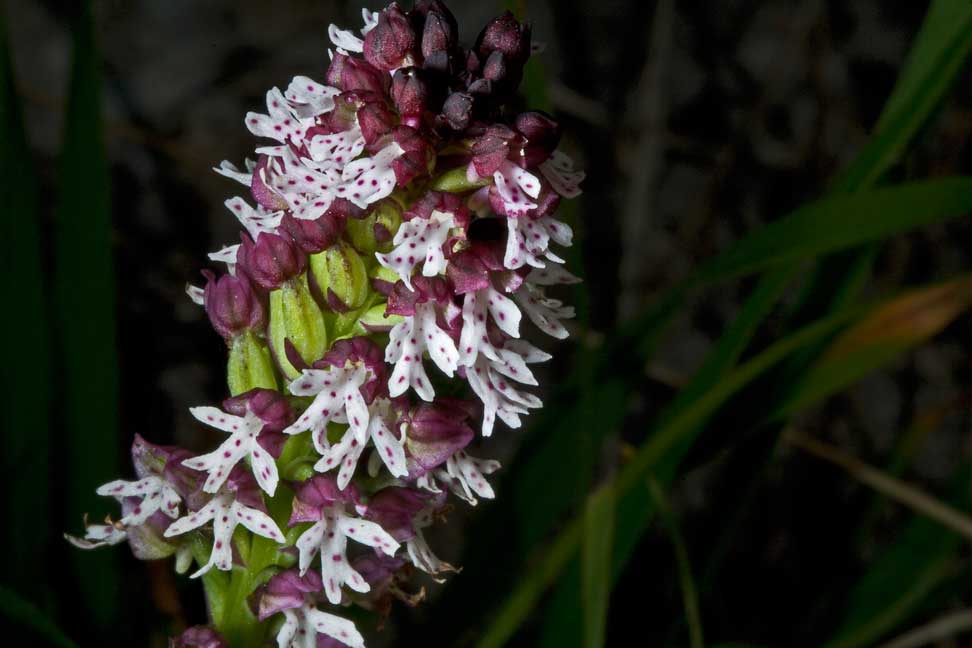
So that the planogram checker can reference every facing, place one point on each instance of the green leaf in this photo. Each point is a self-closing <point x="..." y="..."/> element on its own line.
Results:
<point x="84" y="294"/>
<point x="26" y="338"/>
<point x="843" y="221"/>
<point x="23" y="613"/>
<point x="596" y="564"/>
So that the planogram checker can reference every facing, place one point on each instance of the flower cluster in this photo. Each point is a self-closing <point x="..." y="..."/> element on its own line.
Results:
<point x="401" y="236"/>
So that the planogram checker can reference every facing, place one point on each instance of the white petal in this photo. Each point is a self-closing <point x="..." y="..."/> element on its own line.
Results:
<point x="196" y="519"/>
<point x="264" y="468"/>
<point x="258" y="522"/>
<point x="336" y="627"/>
<point x="368" y="533"/>
<point x="308" y="544"/>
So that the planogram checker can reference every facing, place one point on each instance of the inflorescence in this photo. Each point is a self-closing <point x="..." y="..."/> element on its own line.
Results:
<point x="403" y="217"/>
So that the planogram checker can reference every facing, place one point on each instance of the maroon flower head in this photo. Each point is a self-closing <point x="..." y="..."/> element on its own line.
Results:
<point x="366" y="351"/>
<point x="313" y="236"/>
<point x="232" y="305"/>
<point x="506" y="35"/>
<point x="436" y="431"/>
<point x="376" y="121"/>
<point x="272" y="260"/>
<point x="492" y="148"/>
<point x="410" y="94"/>
<point x="541" y="135"/>
<point x="440" y="31"/>
<point x="457" y="110"/>
<point x="417" y="158"/>
<point x="394" y="509"/>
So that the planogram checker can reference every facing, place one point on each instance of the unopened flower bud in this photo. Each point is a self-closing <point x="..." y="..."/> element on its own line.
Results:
<point x="341" y="275"/>
<point x="391" y="43"/>
<point x="270" y="261"/>
<point x="410" y="93"/>
<point x="232" y="305"/>
<point x="296" y="317"/>
<point x="491" y="149"/>
<point x="312" y="236"/>
<point x="418" y="157"/>
<point x="505" y="34"/>
<point x="440" y="32"/>
<point x="198" y="637"/>
<point x="457" y="110"/>
<point x="353" y="74"/>
<point x="375" y="121"/>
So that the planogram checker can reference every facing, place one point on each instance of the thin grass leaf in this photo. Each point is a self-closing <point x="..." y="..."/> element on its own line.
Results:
<point x="941" y="629"/>
<point x="690" y="599"/>
<point x="896" y="327"/>
<point x="84" y="293"/>
<point x="596" y="564"/>
<point x="26" y="337"/>
<point x="20" y="612"/>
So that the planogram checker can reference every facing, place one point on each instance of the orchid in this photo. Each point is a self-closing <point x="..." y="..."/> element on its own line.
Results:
<point x="399" y="237"/>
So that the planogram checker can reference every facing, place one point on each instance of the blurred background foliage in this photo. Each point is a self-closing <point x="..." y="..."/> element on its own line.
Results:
<point x="759" y="431"/>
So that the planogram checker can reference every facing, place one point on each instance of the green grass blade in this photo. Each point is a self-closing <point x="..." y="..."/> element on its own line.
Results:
<point x="20" y="612"/>
<point x="596" y="564"/>
<point x="690" y="599"/>
<point x="843" y="221"/>
<point x="26" y="377"/>
<point x="84" y="294"/>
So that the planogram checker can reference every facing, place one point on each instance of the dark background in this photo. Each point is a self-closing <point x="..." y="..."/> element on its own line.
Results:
<point x="696" y="122"/>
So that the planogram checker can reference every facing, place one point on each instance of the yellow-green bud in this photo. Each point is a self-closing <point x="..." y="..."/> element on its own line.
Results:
<point x="457" y="181"/>
<point x="250" y="365"/>
<point x="341" y="275"/>
<point x="295" y="316"/>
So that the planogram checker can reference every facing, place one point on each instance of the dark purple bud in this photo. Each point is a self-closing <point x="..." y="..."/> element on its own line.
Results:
<point x="318" y="493"/>
<point x="439" y="34"/>
<point x="245" y="488"/>
<point x="394" y="509"/>
<point x="495" y="68"/>
<point x="272" y="260"/>
<point x="376" y="121"/>
<point x="402" y="301"/>
<point x="354" y="74"/>
<point x="198" y="637"/>
<point x="439" y="201"/>
<point x="541" y="134"/>
<point x="491" y="149"/>
<point x="472" y="269"/>
<point x="391" y="44"/>
<point x="417" y="158"/>
<point x="313" y="236"/>
<point x="186" y="481"/>
<point x="457" y="110"/>
<point x="505" y="34"/>
<point x="260" y="187"/>
<point x="232" y="305"/>
<point x="377" y="569"/>
<point x="410" y="94"/>
<point x="288" y="590"/>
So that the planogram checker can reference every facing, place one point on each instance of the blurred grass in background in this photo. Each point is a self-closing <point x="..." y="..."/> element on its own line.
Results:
<point x="549" y="563"/>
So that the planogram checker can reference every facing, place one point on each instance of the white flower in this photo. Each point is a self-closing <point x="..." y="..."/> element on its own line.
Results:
<point x="528" y="241"/>
<point x="255" y="221"/>
<point x="283" y="123"/>
<point x="474" y="338"/>
<point x="370" y="179"/>
<point x="418" y="550"/>
<point x="417" y="241"/>
<point x="99" y="535"/>
<point x="226" y="514"/>
<point x="559" y="172"/>
<point x="302" y="625"/>
<point x="242" y="442"/>
<point x="344" y="40"/>
<point x="490" y="380"/>
<point x="308" y="98"/>
<point x="544" y="311"/>
<point x="337" y="397"/>
<point x="389" y="446"/>
<point x="464" y="476"/>
<point x="408" y="340"/>
<point x="329" y="537"/>
<point x="517" y="187"/>
<point x="156" y="495"/>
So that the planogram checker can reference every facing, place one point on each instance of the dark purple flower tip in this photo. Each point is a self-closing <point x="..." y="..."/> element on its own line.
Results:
<point x="272" y="260"/>
<point x="439" y="201"/>
<point x="472" y="268"/>
<point x="288" y="590"/>
<point x="198" y="637"/>
<point x="457" y="110"/>
<point x="491" y="149"/>
<point x="355" y="75"/>
<point x="394" y="509"/>
<point x="232" y="305"/>
<point x="260" y="187"/>
<point x="391" y="44"/>
<point x="418" y="157"/>
<point x="402" y="301"/>
<point x="313" y="236"/>
<point x="506" y="35"/>
<point x="366" y="351"/>
<point x="410" y="94"/>
<point x="440" y="32"/>
<point x="377" y="569"/>
<point x="436" y="431"/>
<point x="318" y="493"/>
<point x="494" y="70"/>
<point x="376" y="121"/>
<point x="541" y="134"/>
